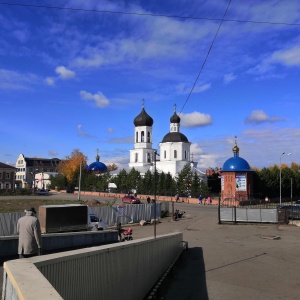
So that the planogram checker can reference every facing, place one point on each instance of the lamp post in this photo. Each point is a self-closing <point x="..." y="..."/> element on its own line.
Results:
<point x="155" y="153"/>
<point x="79" y="185"/>
<point x="280" y="176"/>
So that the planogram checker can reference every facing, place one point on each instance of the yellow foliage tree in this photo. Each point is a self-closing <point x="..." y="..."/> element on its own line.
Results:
<point x="70" y="166"/>
<point x="112" y="167"/>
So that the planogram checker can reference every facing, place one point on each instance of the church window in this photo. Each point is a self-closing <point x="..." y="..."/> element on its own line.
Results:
<point x="184" y="154"/>
<point x="143" y="137"/>
<point x="148" y="157"/>
<point x="136" y="157"/>
<point x="148" y="137"/>
<point x="175" y="153"/>
<point x="137" y="137"/>
<point x="165" y="154"/>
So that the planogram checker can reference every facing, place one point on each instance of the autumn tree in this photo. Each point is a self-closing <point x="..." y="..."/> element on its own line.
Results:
<point x="70" y="166"/>
<point x="112" y="167"/>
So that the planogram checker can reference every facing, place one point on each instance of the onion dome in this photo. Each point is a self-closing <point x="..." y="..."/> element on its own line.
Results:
<point x="143" y="119"/>
<point x="236" y="163"/>
<point x="175" y="137"/>
<point x="97" y="166"/>
<point x="175" y="118"/>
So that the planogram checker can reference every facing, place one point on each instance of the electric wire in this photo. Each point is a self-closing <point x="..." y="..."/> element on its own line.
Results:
<point x="207" y="54"/>
<point x="148" y="14"/>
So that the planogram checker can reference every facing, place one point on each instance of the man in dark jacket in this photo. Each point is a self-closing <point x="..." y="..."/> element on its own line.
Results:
<point x="30" y="238"/>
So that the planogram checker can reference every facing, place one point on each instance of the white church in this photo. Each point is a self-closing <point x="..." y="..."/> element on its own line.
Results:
<point x="174" y="149"/>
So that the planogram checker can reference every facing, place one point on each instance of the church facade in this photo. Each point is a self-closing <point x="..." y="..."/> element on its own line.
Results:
<point x="174" y="149"/>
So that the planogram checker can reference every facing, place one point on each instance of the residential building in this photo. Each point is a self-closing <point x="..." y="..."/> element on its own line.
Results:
<point x="29" y="168"/>
<point x="7" y="177"/>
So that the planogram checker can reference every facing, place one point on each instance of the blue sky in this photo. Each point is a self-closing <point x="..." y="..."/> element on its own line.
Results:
<point x="75" y="78"/>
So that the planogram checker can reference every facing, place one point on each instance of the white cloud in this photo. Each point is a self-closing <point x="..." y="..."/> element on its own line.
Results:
<point x="195" y="119"/>
<point x="99" y="99"/>
<point x="259" y="116"/>
<point x="229" y="77"/>
<point x="287" y="57"/>
<point x="64" y="73"/>
<point x="184" y="89"/>
<point x="53" y="153"/>
<point x="82" y="133"/>
<point x="16" y="81"/>
<point x="50" y="81"/>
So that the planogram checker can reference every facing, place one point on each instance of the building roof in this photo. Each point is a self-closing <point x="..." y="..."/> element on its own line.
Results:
<point x="97" y="166"/>
<point x="175" y="118"/>
<point x="174" y="137"/>
<point x="143" y="119"/>
<point x="236" y="163"/>
<point x="5" y="166"/>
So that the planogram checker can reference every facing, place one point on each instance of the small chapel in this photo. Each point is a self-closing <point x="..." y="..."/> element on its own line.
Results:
<point x="236" y="178"/>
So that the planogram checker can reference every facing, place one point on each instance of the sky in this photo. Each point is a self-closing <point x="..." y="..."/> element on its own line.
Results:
<point x="73" y="75"/>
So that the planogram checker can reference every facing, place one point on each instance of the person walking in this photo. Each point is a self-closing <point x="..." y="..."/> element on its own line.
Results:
<point x="200" y="199"/>
<point x="120" y="231"/>
<point x="30" y="237"/>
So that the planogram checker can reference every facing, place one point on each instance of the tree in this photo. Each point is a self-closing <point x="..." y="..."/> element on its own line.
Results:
<point x="58" y="181"/>
<point x="112" y="167"/>
<point x="69" y="167"/>
<point x="184" y="180"/>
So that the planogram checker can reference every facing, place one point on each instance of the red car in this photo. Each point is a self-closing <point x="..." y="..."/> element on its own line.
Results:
<point x="130" y="199"/>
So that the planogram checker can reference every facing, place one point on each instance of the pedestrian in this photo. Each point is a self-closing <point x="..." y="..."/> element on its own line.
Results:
<point x="30" y="237"/>
<point x="200" y="199"/>
<point x="120" y="231"/>
<point x="209" y="200"/>
<point x="148" y="199"/>
<point x="177" y="197"/>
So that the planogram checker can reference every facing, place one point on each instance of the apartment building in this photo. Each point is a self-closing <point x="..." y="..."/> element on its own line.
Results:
<point x="30" y="169"/>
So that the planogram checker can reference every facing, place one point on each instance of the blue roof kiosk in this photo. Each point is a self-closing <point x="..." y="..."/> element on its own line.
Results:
<point x="236" y="179"/>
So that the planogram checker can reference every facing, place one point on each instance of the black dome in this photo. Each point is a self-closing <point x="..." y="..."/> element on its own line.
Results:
<point x="175" y="118"/>
<point x="174" y="137"/>
<point x="143" y="119"/>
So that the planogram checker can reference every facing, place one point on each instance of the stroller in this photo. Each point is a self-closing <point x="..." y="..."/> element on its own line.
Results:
<point x="127" y="235"/>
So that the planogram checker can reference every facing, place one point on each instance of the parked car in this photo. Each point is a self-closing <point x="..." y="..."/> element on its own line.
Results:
<point x="42" y="192"/>
<point x="130" y="199"/>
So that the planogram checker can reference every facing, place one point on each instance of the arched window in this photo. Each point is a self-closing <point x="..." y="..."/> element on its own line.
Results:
<point x="148" y="157"/>
<point x="148" y="137"/>
<point x="137" y="137"/>
<point x="165" y="154"/>
<point x="143" y="137"/>
<point x="185" y="154"/>
<point x="175" y="153"/>
<point x="136" y="157"/>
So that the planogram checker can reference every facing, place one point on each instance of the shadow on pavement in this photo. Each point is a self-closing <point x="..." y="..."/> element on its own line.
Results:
<point x="187" y="280"/>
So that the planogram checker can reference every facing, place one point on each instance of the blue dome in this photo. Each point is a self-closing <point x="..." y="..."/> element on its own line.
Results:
<point x="236" y="164"/>
<point x="97" y="166"/>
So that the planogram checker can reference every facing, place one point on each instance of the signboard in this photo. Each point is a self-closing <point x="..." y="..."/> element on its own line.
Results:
<point x="222" y="182"/>
<point x="241" y="182"/>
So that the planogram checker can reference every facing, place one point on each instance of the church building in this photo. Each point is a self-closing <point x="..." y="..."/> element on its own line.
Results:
<point x="174" y="149"/>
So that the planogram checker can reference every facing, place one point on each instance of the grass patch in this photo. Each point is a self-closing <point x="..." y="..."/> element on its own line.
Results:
<point x="7" y="206"/>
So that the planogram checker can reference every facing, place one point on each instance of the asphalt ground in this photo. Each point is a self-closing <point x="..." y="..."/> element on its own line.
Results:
<point x="226" y="261"/>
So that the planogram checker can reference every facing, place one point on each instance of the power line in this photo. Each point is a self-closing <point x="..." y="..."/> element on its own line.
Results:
<point x="148" y="14"/>
<point x="208" y="52"/>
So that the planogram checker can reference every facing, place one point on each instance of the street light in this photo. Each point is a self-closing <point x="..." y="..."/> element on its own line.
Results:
<point x="280" y="176"/>
<point x="155" y="153"/>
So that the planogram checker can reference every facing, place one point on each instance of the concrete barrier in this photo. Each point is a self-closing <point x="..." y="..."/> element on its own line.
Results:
<point x="60" y="241"/>
<point x="119" y="271"/>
